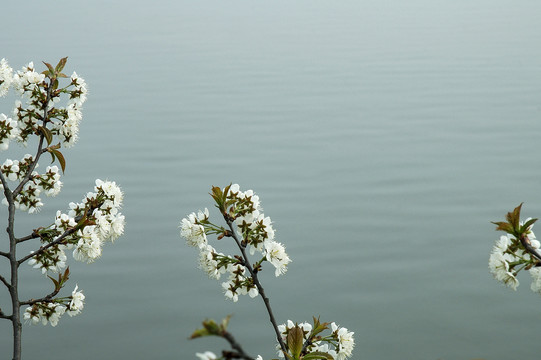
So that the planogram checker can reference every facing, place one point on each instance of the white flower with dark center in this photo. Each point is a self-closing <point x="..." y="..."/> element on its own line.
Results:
<point x="231" y="292"/>
<point x="8" y="131"/>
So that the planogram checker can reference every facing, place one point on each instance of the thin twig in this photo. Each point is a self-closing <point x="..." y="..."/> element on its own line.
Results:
<point x="4" y="316"/>
<point x="235" y="345"/>
<point x="46" y="298"/>
<point x="34" y="235"/>
<point x="2" y="279"/>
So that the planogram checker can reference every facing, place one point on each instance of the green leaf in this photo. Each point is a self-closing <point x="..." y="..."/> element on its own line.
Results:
<point x="61" y="64"/>
<point x="47" y="134"/>
<point x="503" y="226"/>
<point x="212" y="327"/>
<point x="56" y="283"/>
<point x="55" y="153"/>
<point x="318" y="355"/>
<point x="318" y="327"/>
<point x="199" y="333"/>
<point x="220" y="197"/>
<point x="514" y="217"/>
<point x="49" y="72"/>
<point x="295" y="341"/>
<point x="65" y="276"/>
<point x="527" y="225"/>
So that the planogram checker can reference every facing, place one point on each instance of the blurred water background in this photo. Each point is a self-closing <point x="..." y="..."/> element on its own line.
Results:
<point x="382" y="137"/>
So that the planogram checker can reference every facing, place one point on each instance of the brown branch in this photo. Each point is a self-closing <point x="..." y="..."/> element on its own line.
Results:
<point x="47" y="298"/>
<point x="235" y="345"/>
<point x="34" y="235"/>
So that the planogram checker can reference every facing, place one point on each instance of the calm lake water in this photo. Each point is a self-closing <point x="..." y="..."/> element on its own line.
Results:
<point x="382" y="137"/>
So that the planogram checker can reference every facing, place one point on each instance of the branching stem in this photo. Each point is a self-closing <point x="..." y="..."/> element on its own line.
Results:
<point x="49" y="245"/>
<point x="258" y="285"/>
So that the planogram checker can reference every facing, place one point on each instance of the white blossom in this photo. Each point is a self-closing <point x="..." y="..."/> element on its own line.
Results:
<point x="77" y="302"/>
<point x="193" y="231"/>
<point x="499" y="267"/>
<point x="10" y="169"/>
<point x="276" y="255"/>
<point x="44" y="313"/>
<point x="208" y="264"/>
<point x="207" y="355"/>
<point x="64" y="222"/>
<point x="8" y="131"/>
<point x="6" y="77"/>
<point x="345" y="341"/>
<point x="88" y="249"/>
<point x="111" y="190"/>
<point x="53" y="259"/>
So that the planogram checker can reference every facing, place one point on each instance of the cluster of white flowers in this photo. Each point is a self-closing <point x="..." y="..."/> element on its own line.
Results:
<point x="192" y="230"/>
<point x="508" y="257"/>
<point x="257" y="235"/>
<point x="256" y="228"/>
<point x="103" y="222"/>
<point x="6" y="77"/>
<point x="51" y="311"/>
<point x="26" y="81"/>
<point x="339" y="344"/>
<point x="70" y="117"/>
<point x="239" y="283"/>
<point x="29" y="197"/>
<point x="101" y="207"/>
<point x="31" y="85"/>
<point x="54" y="259"/>
<point x="8" y="131"/>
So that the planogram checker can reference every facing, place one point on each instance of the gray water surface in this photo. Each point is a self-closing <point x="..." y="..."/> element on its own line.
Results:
<point x="382" y="138"/>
